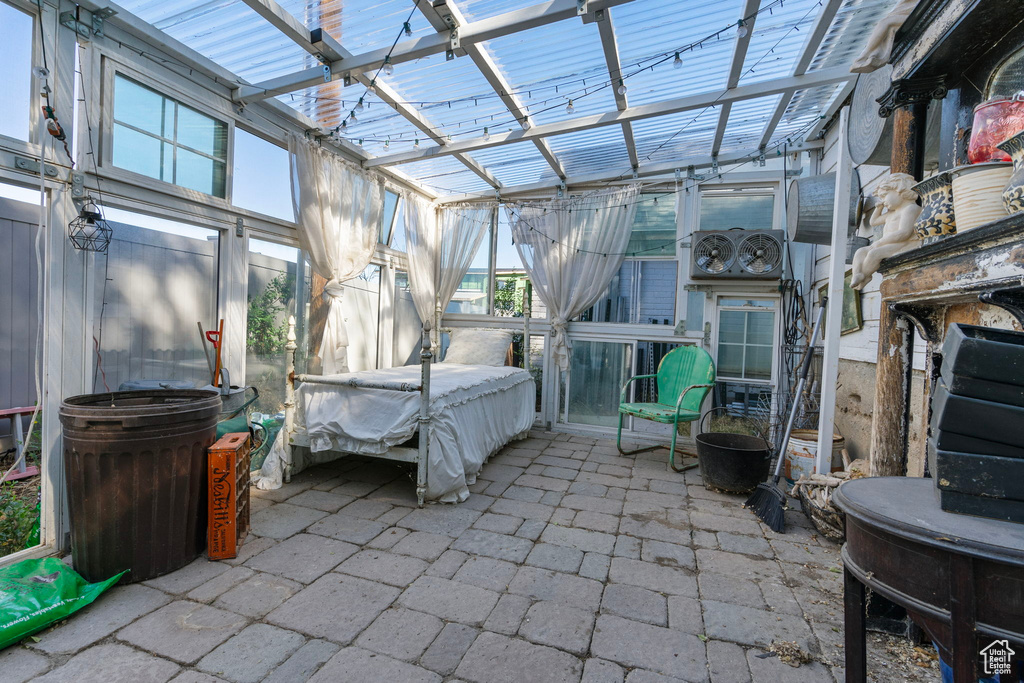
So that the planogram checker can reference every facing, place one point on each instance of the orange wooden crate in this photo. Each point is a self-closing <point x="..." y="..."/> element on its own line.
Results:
<point x="228" y="506"/>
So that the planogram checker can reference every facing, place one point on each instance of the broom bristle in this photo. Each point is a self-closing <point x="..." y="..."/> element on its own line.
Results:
<point x="768" y="503"/>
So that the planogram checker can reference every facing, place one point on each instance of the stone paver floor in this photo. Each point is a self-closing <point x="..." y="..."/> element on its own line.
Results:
<point x="569" y="562"/>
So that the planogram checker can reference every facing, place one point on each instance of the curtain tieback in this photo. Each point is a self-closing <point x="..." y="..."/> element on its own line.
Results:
<point x="334" y="289"/>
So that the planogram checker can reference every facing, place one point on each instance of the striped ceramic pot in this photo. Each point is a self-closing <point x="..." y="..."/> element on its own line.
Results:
<point x="936" y="219"/>
<point x="1013" y="195"/>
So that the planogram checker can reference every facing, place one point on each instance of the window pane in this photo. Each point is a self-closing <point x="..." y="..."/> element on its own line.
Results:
<point x="195" y="172"/>
<point x="472" y="294"/>
<point x="398" y="234"/>
<point x="725" y="211"/>
<point x="730" y="327"/>
<point x="140" y="107"/>
<point x="387" y="217"/>
<point x="261" y="179"/>
<point x="759" y="362"/>
<point x="748" y="400"/>
<point x="730" y="360"/>
<point x="16" y="74"/>
<point x="760" y="328"/>
<point x="273" y="295"/>
<point x="597" y="372"/>
<point x="749" y="303"/>
<point x="654" y="228"/>
<point x="641" y="292"/>
<point x="137" y="152"/>
<point x="161" y="279"/>
<point x="405" y="346"/>
<point x="202" y="133"/>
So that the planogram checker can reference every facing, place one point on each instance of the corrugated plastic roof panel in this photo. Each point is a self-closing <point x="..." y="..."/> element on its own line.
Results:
<point x="549" y="65"/>
<point x="649" y="32"/>
<point x="517" y="164"/>
<point x="546" y="66"/>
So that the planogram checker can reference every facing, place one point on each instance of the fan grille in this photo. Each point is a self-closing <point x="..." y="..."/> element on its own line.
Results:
<point x="760" y="253"/>
<point x="714" y="253"/>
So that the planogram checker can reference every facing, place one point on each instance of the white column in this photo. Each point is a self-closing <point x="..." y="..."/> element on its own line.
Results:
<point x="833" y="316"/>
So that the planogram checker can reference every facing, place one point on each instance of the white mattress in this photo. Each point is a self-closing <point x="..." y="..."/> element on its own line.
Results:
<point x="475" y="410"/>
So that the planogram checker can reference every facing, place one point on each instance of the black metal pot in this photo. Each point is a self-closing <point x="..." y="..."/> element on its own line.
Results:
<point x="733" y="463"/>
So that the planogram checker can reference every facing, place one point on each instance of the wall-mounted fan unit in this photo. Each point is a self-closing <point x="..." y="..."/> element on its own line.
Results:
<point x="736" y="254"/>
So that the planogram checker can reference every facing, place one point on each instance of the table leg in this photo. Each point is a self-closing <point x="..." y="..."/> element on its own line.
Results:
<point x="962" y="619"/>
<point x="856" y="634"/>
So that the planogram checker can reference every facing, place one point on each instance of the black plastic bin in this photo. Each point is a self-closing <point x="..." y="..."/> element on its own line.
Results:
<point x="135" y="465"/>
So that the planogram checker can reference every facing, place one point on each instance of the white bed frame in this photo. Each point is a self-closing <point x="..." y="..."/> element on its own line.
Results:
<point x="296" y="437"/>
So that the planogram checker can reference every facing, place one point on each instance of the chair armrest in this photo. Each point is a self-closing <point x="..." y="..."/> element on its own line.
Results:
<point x="679" y="403"/>
<point x="622" y="395"/>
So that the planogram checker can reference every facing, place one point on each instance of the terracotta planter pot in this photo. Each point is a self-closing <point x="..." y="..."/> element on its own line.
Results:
<point x="937" y="218"/>
<point x="1013" y="195"/>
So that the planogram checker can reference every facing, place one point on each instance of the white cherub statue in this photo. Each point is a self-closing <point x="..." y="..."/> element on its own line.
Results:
<point x="879" y="44"/>
<point x="896" y="212"/>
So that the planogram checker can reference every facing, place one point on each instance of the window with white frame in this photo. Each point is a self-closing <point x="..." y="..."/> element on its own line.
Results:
<point x="16" y="74"/>
<point x="261" y="176"/>
<point x="745" y="354"/>
<point x="751" y="209"/>
<point x="387" y="217"/>
<point x="162" y="138"/>
<point x="644" y="289"/>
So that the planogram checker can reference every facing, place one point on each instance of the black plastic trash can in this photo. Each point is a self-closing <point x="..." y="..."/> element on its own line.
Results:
<point x="135" y="466"/>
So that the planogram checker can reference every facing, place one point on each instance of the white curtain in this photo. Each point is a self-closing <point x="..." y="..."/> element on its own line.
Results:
<point x="441" y="243"/>
<point x="572" y="249"/>
<point x="338" y="207"/>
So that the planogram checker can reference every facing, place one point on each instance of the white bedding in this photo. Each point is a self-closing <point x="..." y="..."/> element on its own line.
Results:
<point x="475" y="410"/>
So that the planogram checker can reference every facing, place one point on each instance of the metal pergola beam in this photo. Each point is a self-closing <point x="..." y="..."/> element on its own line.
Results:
<point x="634" y="113"/>
<point x="610" y="45"/>
<point x="817" y="34"/>
<point x="416" y="48"/>
<point x="492" y="74"/>
<point x="739" y="55"/>
<point x="625" y="175"/>
<point x="320" y="43"/>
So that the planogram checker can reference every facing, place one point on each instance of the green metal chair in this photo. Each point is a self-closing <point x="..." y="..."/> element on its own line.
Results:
<point x="685" y="375"/>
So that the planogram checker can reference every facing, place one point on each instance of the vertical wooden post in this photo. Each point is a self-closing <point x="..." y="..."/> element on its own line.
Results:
<point x="317" y="323"/>
<point x="891" y="412"/>
<point x="834" y="314"/>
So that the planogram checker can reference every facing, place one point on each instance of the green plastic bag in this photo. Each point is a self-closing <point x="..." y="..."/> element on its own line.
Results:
<point x="37" y="593"/>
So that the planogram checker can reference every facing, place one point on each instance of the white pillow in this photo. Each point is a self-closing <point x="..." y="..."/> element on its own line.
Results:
<point x="478" y="346"/>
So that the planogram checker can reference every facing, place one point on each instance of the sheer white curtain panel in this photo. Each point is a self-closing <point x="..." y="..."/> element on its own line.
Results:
<point x="572" y="248"/>
<point x="441" y="243"/>
<point x="339" y="211"/>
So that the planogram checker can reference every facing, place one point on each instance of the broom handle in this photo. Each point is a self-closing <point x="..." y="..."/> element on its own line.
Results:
<point x="804" y="369"/>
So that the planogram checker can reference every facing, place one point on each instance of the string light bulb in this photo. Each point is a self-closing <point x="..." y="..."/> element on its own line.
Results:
<point x="372" y="88"/>
<point x="569" y="108"/>
<point x="352" y="116"/>
<point x="408" y="30"/>
<point x="359" y="107"/>
<point x="677" y="63"/>
<point x="416" y="143"/>
<point x="622" y="87"/>
<point x="741" y="29"/>
<point x="387" y="143"/>
<point x="487" y="134"/>
<point x="389" y="68"/>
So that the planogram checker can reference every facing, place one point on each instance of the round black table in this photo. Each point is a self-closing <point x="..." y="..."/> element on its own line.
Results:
<point x="961" y="578"/>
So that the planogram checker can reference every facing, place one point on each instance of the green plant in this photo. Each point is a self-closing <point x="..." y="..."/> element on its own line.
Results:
<point x="18" y="515"/>
<point x="506" y="300"/>
<point x="266" y="332"/>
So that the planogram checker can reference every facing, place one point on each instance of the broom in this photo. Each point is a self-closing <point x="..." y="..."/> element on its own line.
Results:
<point x="768" y="501"/>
